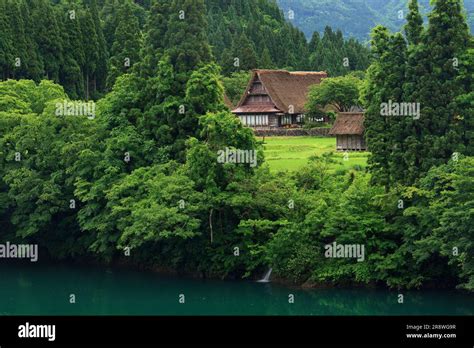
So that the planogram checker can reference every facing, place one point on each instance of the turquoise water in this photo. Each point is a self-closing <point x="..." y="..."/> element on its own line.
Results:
<point x="33" y="289"/>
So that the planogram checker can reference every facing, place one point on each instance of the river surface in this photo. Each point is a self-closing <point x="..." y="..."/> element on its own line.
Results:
<point x="34" y="289"/>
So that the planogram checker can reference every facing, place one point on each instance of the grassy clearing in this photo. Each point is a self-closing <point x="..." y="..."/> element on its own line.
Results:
<point x="292" y="153"/>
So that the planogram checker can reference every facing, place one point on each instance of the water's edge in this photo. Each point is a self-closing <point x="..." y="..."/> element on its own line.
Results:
<point x="123" y="264"/>
<point x="45" y="289"/>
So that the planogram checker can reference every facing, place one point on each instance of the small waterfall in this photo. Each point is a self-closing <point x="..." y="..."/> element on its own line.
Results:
<point x="266" y="278"/>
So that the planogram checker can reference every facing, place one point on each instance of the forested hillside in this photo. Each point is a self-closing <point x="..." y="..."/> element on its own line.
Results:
<point x="86" y="45"/>
<point x="355" y="18"/>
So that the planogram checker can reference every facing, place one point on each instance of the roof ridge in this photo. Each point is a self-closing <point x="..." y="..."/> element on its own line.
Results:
<point x="308" y="72"/>
<point x="290" y="72"/>
<point x="271" y="71"/>
<point x="347" y="124"/>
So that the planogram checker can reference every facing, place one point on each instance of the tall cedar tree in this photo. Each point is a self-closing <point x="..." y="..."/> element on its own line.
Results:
<point x="394" y="71"/>
<point x="110" y="20"/>
<point x="244" y="56"/>
<point x="21" y="52"/>
<point x="100" y="76"/>
<point x="414" y="26"/>
<point x="91" y="50"/>
<point x="373" y="95"/>
<point x="6" y="43"/>
<point x="414" y="32"/>
<point x="34" y="65"/>
<point x="155" y="34"/>
<point x="47" y="37"/>
<point x="466" y="100"/>
<point x="125" y="51"/>
<point x="74" y="56"/>
<point x="440" y="130"/>
<point x="186" y="37"/>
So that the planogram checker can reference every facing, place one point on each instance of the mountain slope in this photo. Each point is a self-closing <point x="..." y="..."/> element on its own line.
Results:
<point x="354" y="17"/>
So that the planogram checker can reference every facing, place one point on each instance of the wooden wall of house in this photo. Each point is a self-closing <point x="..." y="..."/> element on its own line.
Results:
<point x="350" y="143"/>
<point x="273" y="121"/>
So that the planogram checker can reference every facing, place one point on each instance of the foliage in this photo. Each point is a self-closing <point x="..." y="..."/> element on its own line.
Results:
<point x="235" y="85"/>
<point x="339" y="92"/>
<point x="423" y="74"/>
<point x="126" y="47"/>
<point x="335" y="55"/>
<point x="143" y="175"/>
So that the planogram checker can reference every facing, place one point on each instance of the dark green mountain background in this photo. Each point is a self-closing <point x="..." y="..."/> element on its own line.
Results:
<point x="354" y="17"/>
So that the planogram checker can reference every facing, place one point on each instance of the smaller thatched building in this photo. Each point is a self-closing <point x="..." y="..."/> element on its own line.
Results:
<point x="349" y="131"/>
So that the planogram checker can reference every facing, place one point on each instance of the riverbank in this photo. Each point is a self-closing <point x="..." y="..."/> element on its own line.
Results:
<point x="123" y="264"/>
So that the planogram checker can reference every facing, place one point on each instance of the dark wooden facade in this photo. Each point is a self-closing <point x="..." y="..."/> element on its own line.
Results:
<point x="276" y="98"/>
<point x="349" y="131"/>
<point x="350" y="143"/>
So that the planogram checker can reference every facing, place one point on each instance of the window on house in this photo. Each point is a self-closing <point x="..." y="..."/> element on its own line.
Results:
<point x="286" y="119"/>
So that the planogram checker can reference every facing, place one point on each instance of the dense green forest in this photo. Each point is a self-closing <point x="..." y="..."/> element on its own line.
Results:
<point x="355" y="18"/>
<point x="135" y="179"/>
<point x="85" y="45"/>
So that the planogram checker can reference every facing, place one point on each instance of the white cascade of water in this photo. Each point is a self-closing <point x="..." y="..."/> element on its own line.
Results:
<point x="266" y="278"/>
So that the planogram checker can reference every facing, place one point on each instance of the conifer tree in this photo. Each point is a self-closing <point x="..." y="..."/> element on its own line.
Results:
<point x="414" y="26"/>
<point x="414" y="32"/>
<point x="126" y="48"/>
<point x="155" y="37"/>
<point x="466" y="100"/>
<point x="74" y="57"/>
<point x="110" y="21"/>
<point x="100" y="74"/>
<point x="315" y="40"/>
<point x="394" y="70"/>
<point x="372" y="96"/>
<point x="21" y="53"/>
<point x="47" y="37"/>
<point x="34" y="63"/>
<point x="91" y="51"/>
<point x="266" y="60"/>
<point x="186" y="37"/>
<point x="7" y="49"/>
<point x="243" y="50"/>
<point x="440" y="130"/>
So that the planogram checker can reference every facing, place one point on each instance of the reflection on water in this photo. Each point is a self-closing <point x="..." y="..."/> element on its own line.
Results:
<point x="32" y="289"/>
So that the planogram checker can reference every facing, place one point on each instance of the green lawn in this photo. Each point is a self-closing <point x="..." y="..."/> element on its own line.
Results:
<point x="292" y="153"/>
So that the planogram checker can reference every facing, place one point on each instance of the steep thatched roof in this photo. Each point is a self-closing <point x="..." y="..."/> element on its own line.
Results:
<point x="285" y="89"/>
<point x="348" y="123"/>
